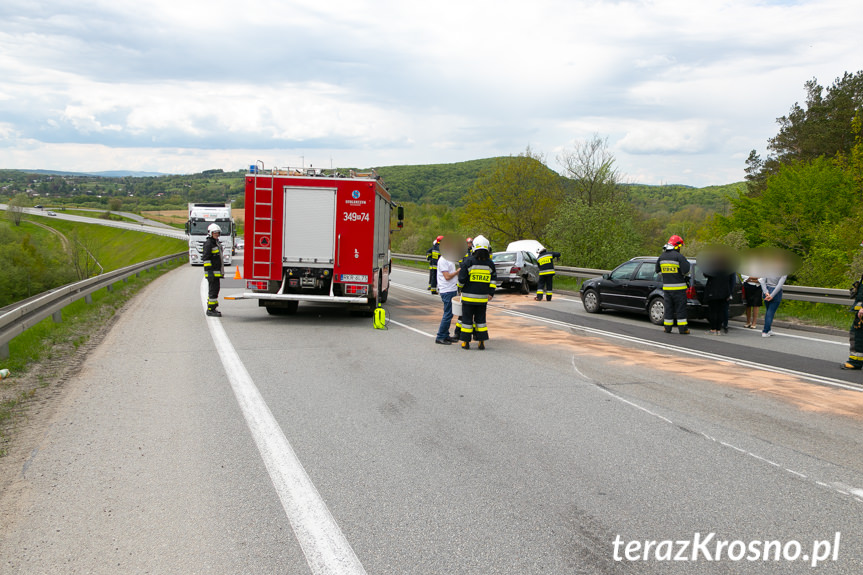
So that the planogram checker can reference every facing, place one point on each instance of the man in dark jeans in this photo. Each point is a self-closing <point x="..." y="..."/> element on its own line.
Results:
<point x="447" y="286"/>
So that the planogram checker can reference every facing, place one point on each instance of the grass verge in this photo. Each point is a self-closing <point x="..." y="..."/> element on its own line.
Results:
<point x="47" y="354"/>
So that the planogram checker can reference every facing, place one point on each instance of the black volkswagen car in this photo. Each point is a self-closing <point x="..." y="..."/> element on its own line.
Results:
<point x="635" y="286"/>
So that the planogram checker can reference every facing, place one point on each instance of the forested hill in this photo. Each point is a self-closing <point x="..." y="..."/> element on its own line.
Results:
<point x="434" y="183"/>
<point x="675" y="198"/>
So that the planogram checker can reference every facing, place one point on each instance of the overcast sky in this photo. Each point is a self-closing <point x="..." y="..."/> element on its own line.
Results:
<point x="682" y="89"/>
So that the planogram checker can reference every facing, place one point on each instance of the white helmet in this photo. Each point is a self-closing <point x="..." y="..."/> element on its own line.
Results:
<point x="213" y="228"/>
<point x="481" y="243"/>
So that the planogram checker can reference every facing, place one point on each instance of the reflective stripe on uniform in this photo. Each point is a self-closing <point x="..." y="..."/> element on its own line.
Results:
<point x="465" y="328"/>
<point x="672" y="287"/>
<point x="474" y="298"/>
<point x="669" y="267"/>
<point x="481" y="327"/>
<point x="547" y="273"/>
<point x="856" y="357"/>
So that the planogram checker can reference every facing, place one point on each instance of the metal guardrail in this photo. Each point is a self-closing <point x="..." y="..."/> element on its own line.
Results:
<point x="791" y="292"/>
<point x="19" y="317"/>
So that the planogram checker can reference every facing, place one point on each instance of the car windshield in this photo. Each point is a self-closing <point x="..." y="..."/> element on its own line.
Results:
<point x="503" y="257"/>
<point x="624" y="271"/>
<point x="200" y="228"/>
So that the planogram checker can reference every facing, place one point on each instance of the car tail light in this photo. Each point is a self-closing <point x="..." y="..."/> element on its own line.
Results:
<point x="691" y="293"/>
<point x="256" y="285"/>
<point x="351" y="289"/>
<point x="514" y="269"/>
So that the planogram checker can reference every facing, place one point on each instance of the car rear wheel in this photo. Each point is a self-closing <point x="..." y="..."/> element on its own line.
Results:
<point x="656" y="311"/>
<point x="525" y="285"/>
<point x="591" y="302"/>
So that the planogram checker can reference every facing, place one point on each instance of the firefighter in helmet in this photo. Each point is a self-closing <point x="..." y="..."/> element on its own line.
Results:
<point x="432" y="256"/>
<point x="546" y="273"/>
<point x="214" y="268"/>
<point x="477" y="278"/>
<point x="674" y="267"/>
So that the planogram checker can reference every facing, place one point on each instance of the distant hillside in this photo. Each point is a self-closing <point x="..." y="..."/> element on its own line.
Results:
<point x="434" y="183"/>
<point x="670" y="199"/>
<point x="108" y="174"/>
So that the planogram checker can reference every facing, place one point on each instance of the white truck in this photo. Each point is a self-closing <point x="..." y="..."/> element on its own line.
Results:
<point x="201" y="215"/>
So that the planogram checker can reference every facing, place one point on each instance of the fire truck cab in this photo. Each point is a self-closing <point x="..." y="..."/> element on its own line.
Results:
<point x="317" y="236"/>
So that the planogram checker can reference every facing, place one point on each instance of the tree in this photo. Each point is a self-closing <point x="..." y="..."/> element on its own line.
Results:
<point x="599" y="236"/>
<point x="514" y="200"/>
<point x="590" y="167"/>
<point x="15" y="210"/>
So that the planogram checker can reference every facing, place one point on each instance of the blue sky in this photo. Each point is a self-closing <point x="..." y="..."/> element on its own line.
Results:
<point x="681" y="89"/>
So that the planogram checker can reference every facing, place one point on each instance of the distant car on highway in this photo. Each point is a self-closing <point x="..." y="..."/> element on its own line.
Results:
<point x="50" y="213"/>
<point x="516" y="269"/>
<point x="635" y="286"/>
<point x="38" y="206"/>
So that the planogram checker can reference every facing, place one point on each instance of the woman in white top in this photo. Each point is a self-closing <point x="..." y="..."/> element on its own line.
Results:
<point x="771" y="287"/>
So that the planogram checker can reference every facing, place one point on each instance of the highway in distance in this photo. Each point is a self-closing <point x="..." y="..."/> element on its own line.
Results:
<point x="575" y="444"/>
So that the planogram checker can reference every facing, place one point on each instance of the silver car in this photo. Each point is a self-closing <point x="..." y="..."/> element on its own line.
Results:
<point x="518" y="269"/>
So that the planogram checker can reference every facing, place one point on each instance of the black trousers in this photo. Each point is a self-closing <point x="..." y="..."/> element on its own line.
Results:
<point x="214" y="284"/>
<point x="433" y="279"/>
<point x="472" y="321"/>
<point x="675" y="309"/>
<point x="716" y="313"/>
<point x="544" y="285"/>
<point x="855" y="354"/>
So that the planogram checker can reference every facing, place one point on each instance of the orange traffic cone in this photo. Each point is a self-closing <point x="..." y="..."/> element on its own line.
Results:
<point x="237" y="274"/>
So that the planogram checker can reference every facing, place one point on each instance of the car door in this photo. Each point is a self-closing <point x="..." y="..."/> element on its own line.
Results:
<point x="644" y="281"/>
<point x="532" y="268"/>
<point x="613" y="289"/>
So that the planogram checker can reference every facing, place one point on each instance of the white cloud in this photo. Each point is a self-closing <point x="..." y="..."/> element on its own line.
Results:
<point x="681" y="89"/>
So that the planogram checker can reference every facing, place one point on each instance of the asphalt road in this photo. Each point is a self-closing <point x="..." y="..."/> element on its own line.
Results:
<point x="316" y="444"/>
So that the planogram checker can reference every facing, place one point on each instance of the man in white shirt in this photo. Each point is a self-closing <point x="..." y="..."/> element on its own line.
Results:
<point x="447" y="286"/>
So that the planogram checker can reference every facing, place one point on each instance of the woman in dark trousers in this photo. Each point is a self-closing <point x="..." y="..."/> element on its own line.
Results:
<point x="720" y="286"/>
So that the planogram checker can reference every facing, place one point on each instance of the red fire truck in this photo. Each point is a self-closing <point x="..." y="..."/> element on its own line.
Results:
<point x="317" y="236"/>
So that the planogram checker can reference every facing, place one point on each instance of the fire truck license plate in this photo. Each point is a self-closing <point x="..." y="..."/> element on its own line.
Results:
<point x="355" y="278"/>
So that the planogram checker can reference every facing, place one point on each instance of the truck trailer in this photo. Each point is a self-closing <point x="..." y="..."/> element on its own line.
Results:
<point x="201" y="215"/>
<point x="316" y="236"/>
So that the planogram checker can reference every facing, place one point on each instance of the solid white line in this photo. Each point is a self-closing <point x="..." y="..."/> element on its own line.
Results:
<point x="326" y="549"/>
<point x="398" y="323"/>
<point x="842" y="343"/>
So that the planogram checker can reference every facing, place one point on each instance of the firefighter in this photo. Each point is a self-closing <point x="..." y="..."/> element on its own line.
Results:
<point x="477" y="278"/>
<point x="855" y="356"/>
<point x="546" y="273"/>
<point x="214" y="268"/>
<point x="432" y="256"/>
<point x="674" y="267"/>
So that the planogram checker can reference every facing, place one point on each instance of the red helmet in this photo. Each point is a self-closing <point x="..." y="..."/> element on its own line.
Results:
<point x="470" y="241"/>
<point x="675" y="241"/>
<point x="439" y="239"/>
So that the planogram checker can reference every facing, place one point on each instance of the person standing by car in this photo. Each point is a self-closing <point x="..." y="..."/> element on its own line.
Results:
<point x="545" y="259"/>
<point x="446" y="283"/>
<point x="214" y="268"/>
<point x="477" y="277"/>
<point x="432" y="256"/>
<point x="721" y="280"/>
<point x="674" y="267"/>
<point x="752" y="297"/>
<point x="771" y="287"/>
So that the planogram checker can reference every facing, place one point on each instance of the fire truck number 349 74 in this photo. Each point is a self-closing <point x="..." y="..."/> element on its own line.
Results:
<point x="356" y="217"/>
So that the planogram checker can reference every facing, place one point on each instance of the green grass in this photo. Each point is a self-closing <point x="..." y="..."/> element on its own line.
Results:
<point x="49" y="341"/>
<point x="117" y="248"/>
<point x="814" y="314"/>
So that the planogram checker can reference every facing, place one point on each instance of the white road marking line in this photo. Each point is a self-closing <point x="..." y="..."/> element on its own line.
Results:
<point x="398" y="323"/>
<point x="856" y="494"/>
<point x="326" y="549"/>
<point x="842" y="343"/>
